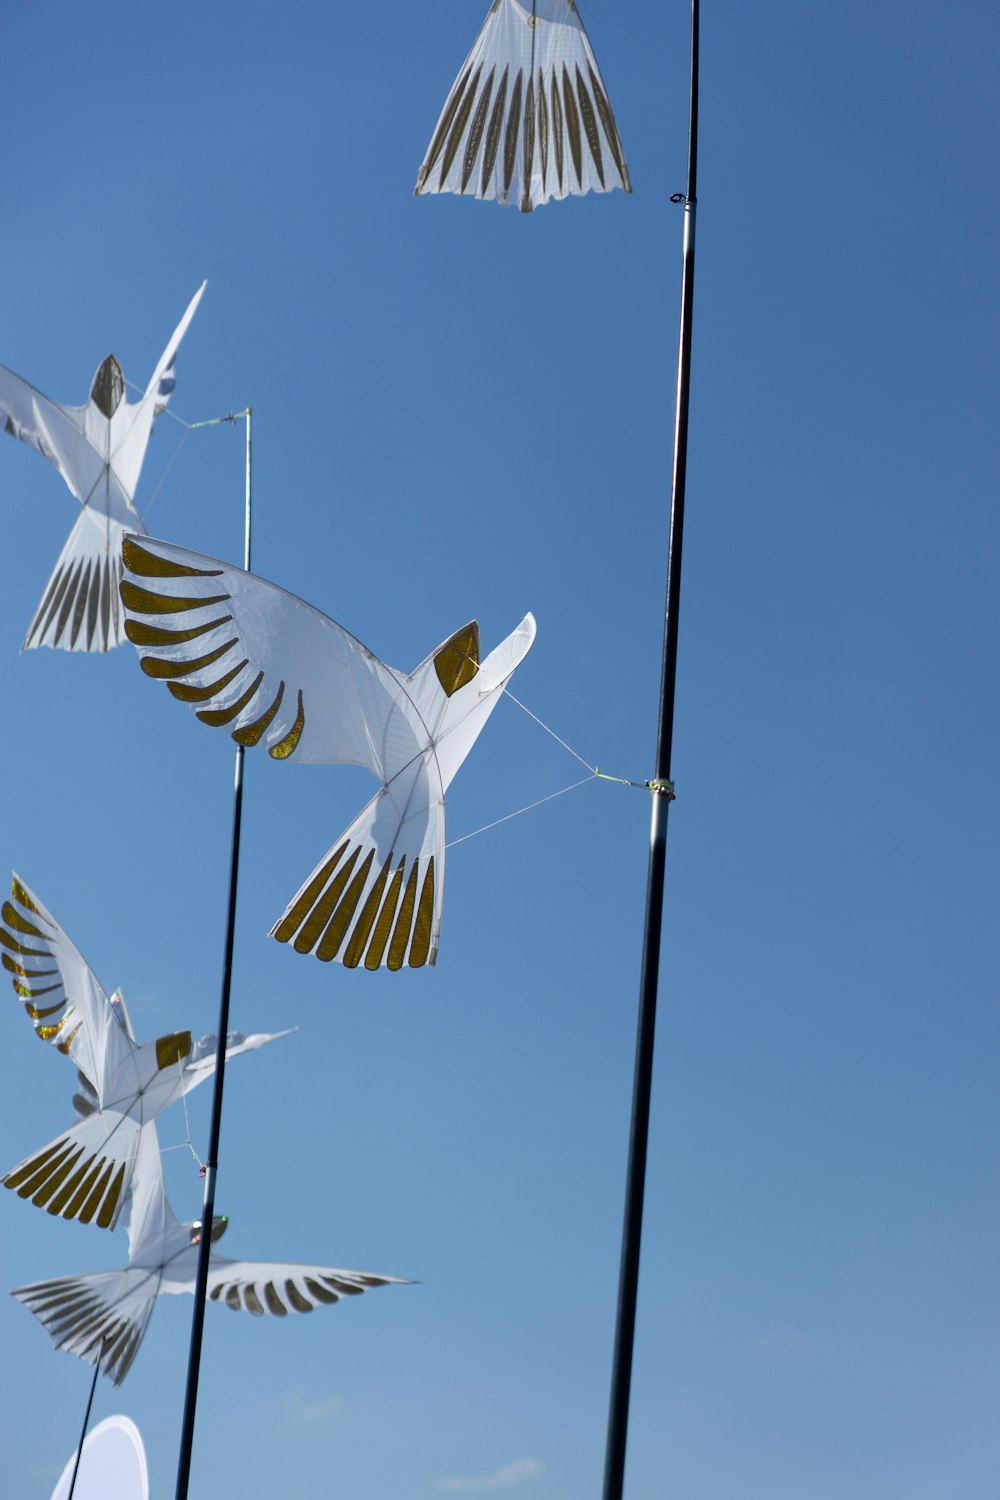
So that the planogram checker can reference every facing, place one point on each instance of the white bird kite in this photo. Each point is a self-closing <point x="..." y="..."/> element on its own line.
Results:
<point x="98" y="449"/>
<point x="528" y="118"/>
<point x="104" y="1315"/>
<point x="270" y="668"/>
<point x="85" y="1172"/>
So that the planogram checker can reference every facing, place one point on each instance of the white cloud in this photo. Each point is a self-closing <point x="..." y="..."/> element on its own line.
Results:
<point x="501" y="1479"/>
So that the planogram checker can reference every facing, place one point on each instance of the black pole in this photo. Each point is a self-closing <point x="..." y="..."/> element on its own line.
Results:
<point x="621" y="1374"/>
<point x="86" y="1419"/>
<point x="211" y="1164"/>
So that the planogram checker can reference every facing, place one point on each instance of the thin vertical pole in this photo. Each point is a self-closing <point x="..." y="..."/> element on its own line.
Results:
<point x="621" y="1375"/>
<point x="212" y="1161"/>
<point x="86" y="1419"/>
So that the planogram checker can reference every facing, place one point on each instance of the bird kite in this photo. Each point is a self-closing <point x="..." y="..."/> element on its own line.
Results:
<point x="98" y="449"/>
<point x="528" y="118"/>
<point x="84" y="1173"/>
<point x="251" y="658"/>
<point x="103" y="1316"/>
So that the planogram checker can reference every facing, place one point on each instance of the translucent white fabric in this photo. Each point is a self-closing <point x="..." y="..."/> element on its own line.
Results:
<point x="112" y="1465"/>
<point x="272" y="670"/>
<point x="98" y="449"/>
<point x="85" y="1172"/>
<point x="80" y="1312"/>
<point x="528" y="118"/>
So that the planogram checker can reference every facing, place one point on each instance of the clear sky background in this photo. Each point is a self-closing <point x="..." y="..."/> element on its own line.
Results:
<point x="462" y="411"/>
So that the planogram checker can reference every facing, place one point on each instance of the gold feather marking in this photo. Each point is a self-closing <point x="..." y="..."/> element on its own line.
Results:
<point x="284" y="748"/>
<point x="155" y="666"/>
<point x="170" y="1049"/>
<point x="144" y="602"/>
<point x="401" y="931"/>
<point x="106" y="1216"/>
<point x="141" y="634"/>
<point x="289" y="923"/>
<point x="336" y="931"/>
<point x="312" y="928"/>
<point x="20" y="924"/>
<point x="184" y="692"/>
<point x="251" y="734"/>
<point x="362" y="928"/>
<point x="457" y="661"/>
<point x="16" y="1178"/>
<point x="420" y="946"/>
<point x="90" y="1208"/>
<point x="383" y="927"/>
<point x="216" y="717"/>
<point x="146" y="564"/>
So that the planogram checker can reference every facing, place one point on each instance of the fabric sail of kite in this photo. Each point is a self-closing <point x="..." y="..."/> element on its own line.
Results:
<point x="528" y="118"/>
<point x="85" y="1172"/>
<point x="102" y="1316"/>
<point x="248" y="657"/>
<point x="98" y="449"/>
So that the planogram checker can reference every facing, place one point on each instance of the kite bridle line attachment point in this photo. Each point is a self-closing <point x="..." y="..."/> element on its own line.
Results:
<point x="662" y="788"/>
<point x="231" y="418"/>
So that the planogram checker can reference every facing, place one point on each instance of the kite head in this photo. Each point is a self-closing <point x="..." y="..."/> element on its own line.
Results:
<point x="219" y="1226"/>
<point x="108" y="388"/>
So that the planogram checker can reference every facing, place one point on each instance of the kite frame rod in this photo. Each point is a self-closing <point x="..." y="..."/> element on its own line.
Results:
<point x="212" y="1159"/>
<point x="621" y="1374"/>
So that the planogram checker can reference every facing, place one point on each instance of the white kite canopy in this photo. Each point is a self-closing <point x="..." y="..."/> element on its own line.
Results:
<point x="103" y="1316"/>
<point x="271" y="669"/>
<point x="112" y="1465"/>
<point x="98" y="449"/>
<point x="84" y="1173"/>
<point x="528" y="118"/>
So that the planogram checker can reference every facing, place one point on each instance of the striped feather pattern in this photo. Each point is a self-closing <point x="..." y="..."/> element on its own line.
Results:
<point x="80" y="609"/>
<point x="363" y="914"/>
<point x="528" y="118"/>
<point x="81" y="1174"/>
<point x="83" y="1315"/>
<point x="26" y="935"/>
<point x="201" y="660"/>
<point x="279" y="1290"/>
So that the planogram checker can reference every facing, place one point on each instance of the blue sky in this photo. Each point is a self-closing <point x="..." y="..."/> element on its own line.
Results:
<point x="466" y="412"/>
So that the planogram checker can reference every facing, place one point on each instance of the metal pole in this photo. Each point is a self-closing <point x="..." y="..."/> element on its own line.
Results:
<point x="621" y="1375"/>
<point x="212" y="1161"/>
<point x="86" y="1419"/>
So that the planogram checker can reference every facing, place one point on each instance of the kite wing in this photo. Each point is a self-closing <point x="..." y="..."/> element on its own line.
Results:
<point x="60" y="992"/>
<point x="261" y="1287"/>
<point x="54" y="431"/>
<point x="250" y="658"/>
<point x="528" y="118"/>
<point x="80" y="1312"/>
<point x="131" y="426"/>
